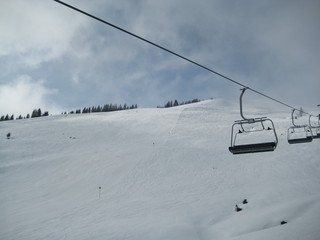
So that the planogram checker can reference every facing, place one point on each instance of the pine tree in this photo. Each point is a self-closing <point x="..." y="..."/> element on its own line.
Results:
<point x="34" y="113"/>
<point x="105" y="108"/>
<point x="168" y="105"/>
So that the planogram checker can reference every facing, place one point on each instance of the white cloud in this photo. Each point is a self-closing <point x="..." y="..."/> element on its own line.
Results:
<point x="36" y="31"/>
<point x="23" y="95"/>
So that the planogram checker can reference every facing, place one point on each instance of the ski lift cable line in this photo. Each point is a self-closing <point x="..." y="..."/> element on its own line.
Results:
<point x="178" y="55"/>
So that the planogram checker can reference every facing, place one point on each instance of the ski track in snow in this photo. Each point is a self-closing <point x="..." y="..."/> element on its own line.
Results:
<point x="163" y="173"/>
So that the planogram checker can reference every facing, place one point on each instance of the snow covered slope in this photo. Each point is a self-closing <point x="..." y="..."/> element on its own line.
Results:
<point x="163" y="173"/>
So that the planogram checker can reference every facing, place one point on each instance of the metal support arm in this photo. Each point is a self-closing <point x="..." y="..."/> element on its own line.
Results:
<point x="241" y="112"/>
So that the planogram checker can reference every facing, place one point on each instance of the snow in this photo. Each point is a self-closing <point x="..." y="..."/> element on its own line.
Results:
<point x="163" y="173"/>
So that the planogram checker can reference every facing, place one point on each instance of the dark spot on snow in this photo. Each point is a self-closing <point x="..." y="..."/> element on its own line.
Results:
<point x="238" y="209"/>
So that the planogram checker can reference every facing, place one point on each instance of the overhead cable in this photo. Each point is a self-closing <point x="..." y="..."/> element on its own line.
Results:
<point x="180" y="56"/>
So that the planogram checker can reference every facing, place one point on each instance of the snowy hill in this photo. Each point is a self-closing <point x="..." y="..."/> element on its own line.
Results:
<point x="163" y="173"/>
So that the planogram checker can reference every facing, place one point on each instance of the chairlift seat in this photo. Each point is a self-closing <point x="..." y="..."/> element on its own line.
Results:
<point x="253" y="148"/>
<point x="300" y="140"/>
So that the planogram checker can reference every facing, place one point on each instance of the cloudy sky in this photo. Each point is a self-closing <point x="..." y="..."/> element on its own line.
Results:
<point x="56" y="59"/>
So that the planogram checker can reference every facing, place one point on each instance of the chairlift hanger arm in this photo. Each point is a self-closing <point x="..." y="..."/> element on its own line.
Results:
<point x="241" y="95"/>
<point x="241" y="106"/>
<point x="310" y="120"/>
<point x="292" y="117"/>
<point x="310" y="125"/>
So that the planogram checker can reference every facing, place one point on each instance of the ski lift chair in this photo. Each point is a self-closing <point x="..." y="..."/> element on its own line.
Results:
<point x="299" y="133"/>
<point x="317" y="132"/>
<point x="242" y="127"/>
<point x="318" y="128"/>
<point x="315" y="129"/>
